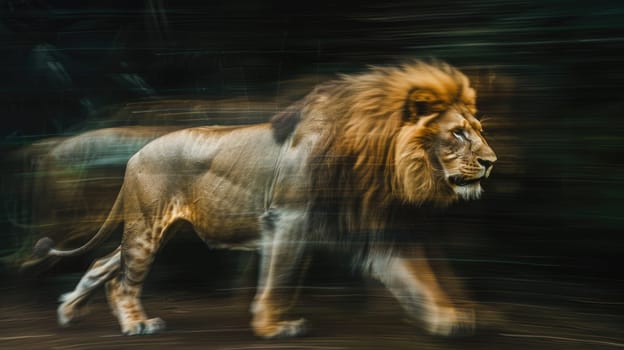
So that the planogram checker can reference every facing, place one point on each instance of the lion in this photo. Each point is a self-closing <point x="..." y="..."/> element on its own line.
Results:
<point x="346" y="166"/>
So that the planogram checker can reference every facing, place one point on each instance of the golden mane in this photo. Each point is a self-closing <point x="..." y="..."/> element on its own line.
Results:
<point x="353" y="168"/>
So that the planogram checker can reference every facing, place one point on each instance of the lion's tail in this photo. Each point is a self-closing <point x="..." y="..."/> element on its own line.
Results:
<point x="45" y="246"/>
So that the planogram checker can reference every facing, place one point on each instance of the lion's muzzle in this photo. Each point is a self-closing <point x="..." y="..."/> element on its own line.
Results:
<point x="460" y="180"/>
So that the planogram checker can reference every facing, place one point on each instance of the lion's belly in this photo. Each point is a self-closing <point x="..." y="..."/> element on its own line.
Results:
<point x="229" y="229"/>
<point x="226" y="213"/>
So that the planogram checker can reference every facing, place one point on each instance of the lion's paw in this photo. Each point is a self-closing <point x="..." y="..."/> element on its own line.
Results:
<point x="451" y="322"/>
<point x="282" y="329"/>
<point x="69" y="311"/>
<point x="151" y="326"/>
<point x="65" y="315"/>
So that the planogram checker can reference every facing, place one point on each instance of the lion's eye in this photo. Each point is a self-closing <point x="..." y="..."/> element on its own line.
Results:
<point x="460" y="134"/>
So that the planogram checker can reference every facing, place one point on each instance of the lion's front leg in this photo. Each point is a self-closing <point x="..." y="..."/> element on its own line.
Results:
<point x="281" y="251"/>
<point x="413" y="282"/>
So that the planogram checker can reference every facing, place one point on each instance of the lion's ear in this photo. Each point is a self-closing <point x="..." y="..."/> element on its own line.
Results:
<point x="420" y="103"/>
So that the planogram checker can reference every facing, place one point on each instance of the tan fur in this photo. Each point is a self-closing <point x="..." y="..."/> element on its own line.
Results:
<point x="343" y="162"/>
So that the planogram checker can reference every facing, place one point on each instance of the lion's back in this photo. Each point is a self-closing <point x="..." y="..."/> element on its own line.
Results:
<point x="210" y="148"/>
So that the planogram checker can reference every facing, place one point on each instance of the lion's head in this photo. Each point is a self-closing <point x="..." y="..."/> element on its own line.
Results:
<point x="403" y="134"/>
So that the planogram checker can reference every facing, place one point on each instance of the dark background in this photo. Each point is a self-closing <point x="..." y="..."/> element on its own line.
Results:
<point x="549" y="76"/>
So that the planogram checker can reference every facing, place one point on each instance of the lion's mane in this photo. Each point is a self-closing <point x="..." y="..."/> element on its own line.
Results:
<point x="355" y="179"/>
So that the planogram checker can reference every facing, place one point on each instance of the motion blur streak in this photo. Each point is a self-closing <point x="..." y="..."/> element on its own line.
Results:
<point x="540" y="249"/>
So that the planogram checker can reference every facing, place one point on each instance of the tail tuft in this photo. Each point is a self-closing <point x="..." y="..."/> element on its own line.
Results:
<point x="43" y="247"/>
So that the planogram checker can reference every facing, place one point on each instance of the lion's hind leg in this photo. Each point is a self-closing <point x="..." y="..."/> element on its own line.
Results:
<point x="125" y="304"/>
<point x="72" y="303"/>
<point x="142" y="240"/>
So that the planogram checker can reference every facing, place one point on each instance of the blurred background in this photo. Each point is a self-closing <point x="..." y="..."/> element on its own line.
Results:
<point x="84" y="85"/>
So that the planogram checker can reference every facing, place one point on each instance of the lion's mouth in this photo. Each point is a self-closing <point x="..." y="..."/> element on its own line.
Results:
<point x="460" y="180"/>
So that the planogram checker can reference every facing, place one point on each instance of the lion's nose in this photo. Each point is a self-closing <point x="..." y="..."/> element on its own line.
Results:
<point x="487" y="163"/>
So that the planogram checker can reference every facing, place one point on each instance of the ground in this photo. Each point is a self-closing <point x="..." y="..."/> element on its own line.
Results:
<point x="354" y="316"/>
